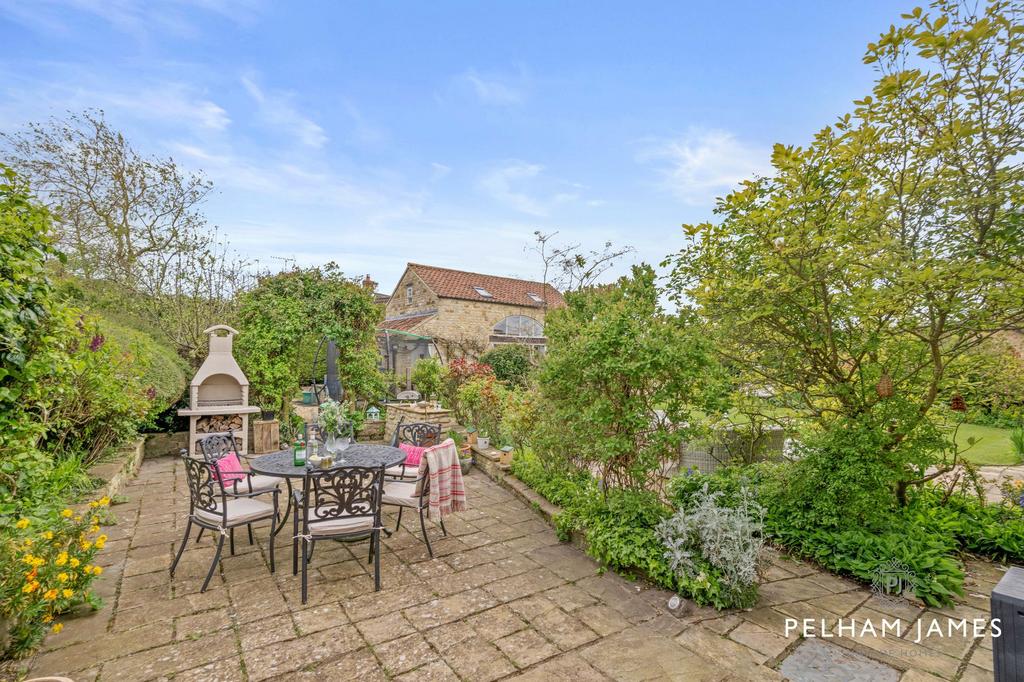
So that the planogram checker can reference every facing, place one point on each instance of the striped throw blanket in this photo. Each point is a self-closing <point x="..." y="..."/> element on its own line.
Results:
<point x="447" y="492"/>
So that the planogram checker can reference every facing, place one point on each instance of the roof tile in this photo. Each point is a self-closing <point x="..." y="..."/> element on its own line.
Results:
<point x="448" y="283"/>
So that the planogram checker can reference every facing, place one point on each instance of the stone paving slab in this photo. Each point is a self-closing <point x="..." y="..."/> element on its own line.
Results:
<point x="503" y="599"/>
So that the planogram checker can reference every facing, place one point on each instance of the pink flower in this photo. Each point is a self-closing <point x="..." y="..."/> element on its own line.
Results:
<point x="97" y="343"/>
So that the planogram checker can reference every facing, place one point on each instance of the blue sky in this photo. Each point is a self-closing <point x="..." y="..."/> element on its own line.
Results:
<point x="377" y="133"/>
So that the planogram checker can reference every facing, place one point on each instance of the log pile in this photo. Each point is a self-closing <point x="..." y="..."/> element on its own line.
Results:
<point x="219" y="423"/>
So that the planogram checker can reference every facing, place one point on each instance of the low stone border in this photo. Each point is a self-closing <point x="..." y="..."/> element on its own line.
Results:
<point x="490" y="464"/>
<point x="118" y="471"/>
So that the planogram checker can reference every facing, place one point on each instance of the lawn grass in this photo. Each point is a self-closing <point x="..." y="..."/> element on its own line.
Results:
<point x="992" y="445"/>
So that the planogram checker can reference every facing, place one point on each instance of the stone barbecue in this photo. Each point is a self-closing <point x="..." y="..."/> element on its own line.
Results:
<point x="219" y="395"/>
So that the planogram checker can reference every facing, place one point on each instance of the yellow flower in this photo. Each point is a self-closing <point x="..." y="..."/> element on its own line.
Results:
<point x="94" y="504"/>
<point x="28" y="542"/>
<point x="57" y="627"/>
<point x="63" y="577"/>
<point x="61" y="559"/>
<point x="22" y="523"/>
<point x="47" y="618"/>
<point x="29" y="588"/>
<point x="67" y="593"/>
<point x="93" y="529"/>
<point x="74" y="562"/>
<point x="95" y="520"/>
<point x="38" y="561"/>
<point x="86" y="546"/>
<point x="48" y="535"/>
<point x="96" y="570"/>
<point x="67" y="513"/>
<point x="104" y="501"/>
<point x="28" y="559"/>
<point x="78" y="518"/>
<point x="50" y="595"/>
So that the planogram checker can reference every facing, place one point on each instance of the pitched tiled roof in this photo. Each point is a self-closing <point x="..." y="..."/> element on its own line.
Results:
<point x="404" y="324"/>
<point x="460" y="284"/>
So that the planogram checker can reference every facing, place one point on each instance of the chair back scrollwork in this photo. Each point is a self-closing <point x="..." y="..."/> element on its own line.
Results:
<point x="349" y="492"/>
<point x="206" y="491"/>
<point x="217" y="445"/>
<point x="420" y="434"/>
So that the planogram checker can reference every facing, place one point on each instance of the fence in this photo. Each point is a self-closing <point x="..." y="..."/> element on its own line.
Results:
<point x="732" y="447"/>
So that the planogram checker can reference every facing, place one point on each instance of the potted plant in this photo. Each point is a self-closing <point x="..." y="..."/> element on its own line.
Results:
<point x="267" y="413"/>
<point x="465" y="451"/>
<point x="483" y="441"/>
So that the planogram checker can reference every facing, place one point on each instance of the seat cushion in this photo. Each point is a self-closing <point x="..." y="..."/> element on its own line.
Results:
<point x="406" y="472"/>
<point x="259" y="483"/>
<point x="401" y="494"/>
<point x="338" y="525"/>
<point x="240" y="510"/>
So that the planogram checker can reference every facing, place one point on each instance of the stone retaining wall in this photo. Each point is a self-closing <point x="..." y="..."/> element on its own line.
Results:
<point x="119" y="470"/>
<point x="163" y="444"/>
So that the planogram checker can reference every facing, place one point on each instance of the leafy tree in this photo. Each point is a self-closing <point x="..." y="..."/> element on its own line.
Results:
<point x="852" y="281"/>
<point x="622" y="379"/>
<point x="297" y="308"/>
<point x="130" y="225"/>
<point x="511" y="363"/>
<point x="426" y="377"/>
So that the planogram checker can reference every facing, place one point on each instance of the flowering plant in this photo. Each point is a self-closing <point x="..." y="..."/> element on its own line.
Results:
<point x="46" y="568"/>
<point x="1013" y="492"/>
<point x="335" y="417"/>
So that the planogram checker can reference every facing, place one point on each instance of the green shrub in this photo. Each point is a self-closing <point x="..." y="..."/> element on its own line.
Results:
<point x="456" y="374"/>
<point x="483" y="399"/>
<point x="511" y="363"/>
<point x="928" y="549"/>
<point x="1017" y="441"/>
<point x="621" y="530"/>
<point x="623" y="381"/>
<point x="426" y="377"/>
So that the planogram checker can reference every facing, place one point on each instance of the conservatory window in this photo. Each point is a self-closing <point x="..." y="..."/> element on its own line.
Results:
<point x="519" y="325"/>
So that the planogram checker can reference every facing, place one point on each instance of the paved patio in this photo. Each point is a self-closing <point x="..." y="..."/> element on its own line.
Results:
<point x="502" y="599"/>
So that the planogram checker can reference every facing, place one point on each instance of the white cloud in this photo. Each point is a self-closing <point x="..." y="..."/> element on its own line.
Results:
<point x="167" y="102"/>
<point x="276" y="109"/>
<point x="524" y="187"/>
<point x="492" y="89"/>
<point x="439" y="170"/>
<point x="705" y="163"/>
<point x="500" y="182"/>
<point x="137" y="18"/>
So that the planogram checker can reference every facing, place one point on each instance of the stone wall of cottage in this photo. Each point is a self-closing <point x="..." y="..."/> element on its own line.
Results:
<point x="423" y="299"/>
<point x="467" y="326"/>
<point x="459" y="327"/>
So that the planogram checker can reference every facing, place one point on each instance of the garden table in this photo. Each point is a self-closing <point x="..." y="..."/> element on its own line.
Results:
<point x="355" y="455"/>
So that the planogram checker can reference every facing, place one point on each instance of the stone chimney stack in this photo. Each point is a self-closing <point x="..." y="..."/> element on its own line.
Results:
<point x="369" y="284"/>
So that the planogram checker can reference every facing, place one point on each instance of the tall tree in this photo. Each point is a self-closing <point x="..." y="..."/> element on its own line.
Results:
<point x="130" y="223"/>
<point x="853" y="280"/>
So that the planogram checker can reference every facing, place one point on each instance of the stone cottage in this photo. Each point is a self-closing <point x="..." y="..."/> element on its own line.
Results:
<point x="443" y="313"/>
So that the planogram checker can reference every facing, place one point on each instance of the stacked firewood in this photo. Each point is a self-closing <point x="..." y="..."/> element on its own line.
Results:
<point x="219" y="423"/>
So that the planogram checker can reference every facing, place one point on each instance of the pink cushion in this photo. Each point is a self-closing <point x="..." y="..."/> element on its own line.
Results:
<point x="413" y="454"/>
<point x="229" y="468"/>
